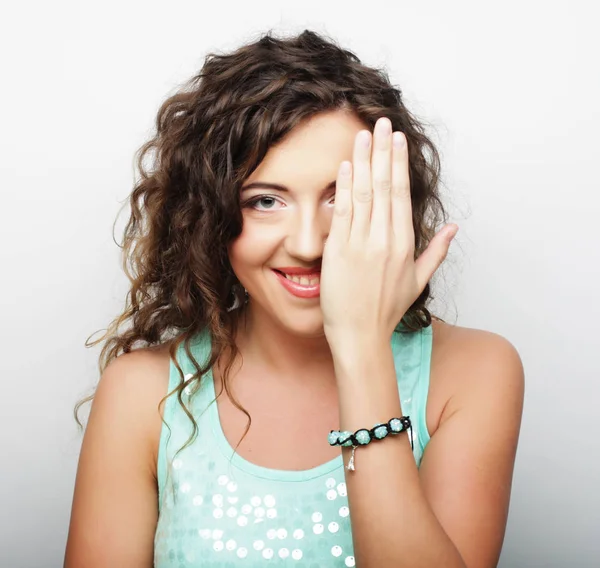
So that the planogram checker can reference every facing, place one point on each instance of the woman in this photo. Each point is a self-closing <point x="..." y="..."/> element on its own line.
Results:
<point x="280" y="251"/>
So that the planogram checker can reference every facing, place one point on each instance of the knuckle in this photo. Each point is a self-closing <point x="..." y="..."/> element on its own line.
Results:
<point x="379" y="248"/>
<point x="404" y="253"/>
<point x="383" y="185"/>
<point x="363" y="195"/>
<point x="343" y="211"/>
<point x="400" y="190"/>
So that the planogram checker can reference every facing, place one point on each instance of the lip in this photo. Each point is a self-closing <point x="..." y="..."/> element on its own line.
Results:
<point x="296" y="289"/>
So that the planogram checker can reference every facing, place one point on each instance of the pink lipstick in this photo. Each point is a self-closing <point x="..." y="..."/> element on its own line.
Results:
<point x="300" y="282"/>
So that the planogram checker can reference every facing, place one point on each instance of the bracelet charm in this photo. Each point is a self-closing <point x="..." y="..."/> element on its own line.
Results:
<point x="363" y="437"/>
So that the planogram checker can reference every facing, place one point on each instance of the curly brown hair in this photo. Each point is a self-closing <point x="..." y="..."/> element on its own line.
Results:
<point x="185" y="208"/>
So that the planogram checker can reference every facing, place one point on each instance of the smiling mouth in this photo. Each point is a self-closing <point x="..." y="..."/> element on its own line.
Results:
<point x="306" y="286"/>
<point x="308" y="280"/>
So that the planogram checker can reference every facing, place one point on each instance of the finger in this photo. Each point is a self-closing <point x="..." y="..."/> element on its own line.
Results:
<point x="362" y="192"/>
<point x="433" y="256"/>
<point x="401" y="205"/>
<point x="381" y="176"/>
<point x="342" y="210"/>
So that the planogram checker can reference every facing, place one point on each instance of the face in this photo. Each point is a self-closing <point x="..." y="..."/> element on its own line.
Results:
<point x="287" y="206"/>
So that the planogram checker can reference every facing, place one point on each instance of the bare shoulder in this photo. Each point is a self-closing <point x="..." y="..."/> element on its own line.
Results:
<point x="462" y="344"/>
<point x="114" y="512"/>
<point x="467" y="467"/>
<point x="467" y="364"/>
<point x="145" y="364"/>
<point x="140" y="380"/>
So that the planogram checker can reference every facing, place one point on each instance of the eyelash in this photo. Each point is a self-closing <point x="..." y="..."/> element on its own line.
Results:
<point x="255" y="200"/>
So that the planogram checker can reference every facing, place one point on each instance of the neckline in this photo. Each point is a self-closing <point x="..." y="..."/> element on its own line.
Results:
<point x="204" y="340"/>
<point x="255" y="469"/>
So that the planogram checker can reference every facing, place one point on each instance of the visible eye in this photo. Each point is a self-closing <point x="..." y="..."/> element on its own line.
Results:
<point x="263" y="203"/>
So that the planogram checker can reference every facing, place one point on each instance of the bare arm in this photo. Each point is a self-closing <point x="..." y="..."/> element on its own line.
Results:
<point x="115" y="505"/>
<point x="451" y="512"/>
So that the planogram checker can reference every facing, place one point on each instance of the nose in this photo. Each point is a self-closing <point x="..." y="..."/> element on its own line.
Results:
<point x="306" y="236"/>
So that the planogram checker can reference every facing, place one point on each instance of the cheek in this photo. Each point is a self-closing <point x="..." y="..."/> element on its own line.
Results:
<point x="252" y="249"/>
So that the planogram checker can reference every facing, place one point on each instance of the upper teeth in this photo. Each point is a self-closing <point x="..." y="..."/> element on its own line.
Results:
<point x="308" y="280"/>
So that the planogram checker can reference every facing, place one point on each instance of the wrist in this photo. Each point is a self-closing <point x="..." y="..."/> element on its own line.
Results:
<point x="356" y="355"/>
<point x="356" y="343"/>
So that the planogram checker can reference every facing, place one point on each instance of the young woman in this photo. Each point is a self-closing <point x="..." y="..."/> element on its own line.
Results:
<point x="280" y="250"/>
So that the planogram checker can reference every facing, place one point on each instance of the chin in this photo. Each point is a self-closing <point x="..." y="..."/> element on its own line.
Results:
<point x="307" y="325"/>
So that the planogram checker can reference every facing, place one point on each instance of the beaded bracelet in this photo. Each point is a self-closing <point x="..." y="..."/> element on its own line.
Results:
<point x="362" y="437"/>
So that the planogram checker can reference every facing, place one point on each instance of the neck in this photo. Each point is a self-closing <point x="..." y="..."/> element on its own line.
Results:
<point x="290" y="357"/>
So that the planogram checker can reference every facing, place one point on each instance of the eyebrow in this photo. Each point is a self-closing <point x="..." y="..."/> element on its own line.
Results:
<point x="279" y="187"/>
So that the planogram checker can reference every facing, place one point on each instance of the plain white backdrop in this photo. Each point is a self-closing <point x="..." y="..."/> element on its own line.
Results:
<point x="510" y="92"/>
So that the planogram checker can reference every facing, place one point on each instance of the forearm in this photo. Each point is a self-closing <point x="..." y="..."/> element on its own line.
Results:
<point x="392" y="522"/>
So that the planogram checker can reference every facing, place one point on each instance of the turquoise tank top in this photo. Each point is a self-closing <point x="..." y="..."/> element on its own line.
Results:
<point x="218" y="510"/>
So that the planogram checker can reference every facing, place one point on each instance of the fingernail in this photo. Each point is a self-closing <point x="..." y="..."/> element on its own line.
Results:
<point x="345" y="168"/>
<point x="398" y="138"/>
<point x="451" y="233"/>
<point x="385" y="126"/>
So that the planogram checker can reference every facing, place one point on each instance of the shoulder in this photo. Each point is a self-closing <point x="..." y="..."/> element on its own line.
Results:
<point x="132" y="386"/>
<point x="146" y="364"/>
<point x="467" y="467"/>
<point x="465" y="345"/>
<point x="140" y="375"/>
<point x="468" y="365"/>
<point x="114" y="512"/>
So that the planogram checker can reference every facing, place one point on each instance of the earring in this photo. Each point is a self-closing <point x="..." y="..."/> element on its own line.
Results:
<point x="236" y="303"/>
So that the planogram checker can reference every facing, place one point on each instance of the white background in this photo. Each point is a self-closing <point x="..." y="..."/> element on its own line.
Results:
<point x="510" y="91"/>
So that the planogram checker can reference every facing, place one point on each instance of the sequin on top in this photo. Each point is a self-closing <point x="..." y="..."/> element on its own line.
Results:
<point x="218" y="510"/>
